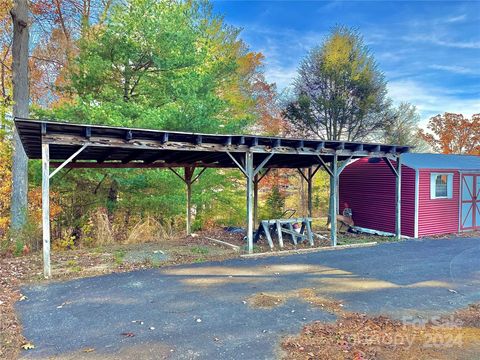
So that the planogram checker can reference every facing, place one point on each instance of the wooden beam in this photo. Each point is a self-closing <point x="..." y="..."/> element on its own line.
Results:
<point x="309" y="179"/>
<point x="263" y="163"/>
<point x="66" y="162"/>
<point x="324" y="164"/>
<point x="105" y="155"/>
<point x="398" y="199"/>
<point x="249" y="175"/>
<point x="390" y="165"/>
<point x="343" y="166"/>
<point x="46" y="210"/>
<point x="267" y="170"/>
<point x="137" y="165"/>
<point x="255" y="200"/>
<point x="129" y="135"/>
<point x="316" y="169"/>
<point x="198" y="175"/>
<point x="333" y="201"/>
<point x="176" y="173"/>
<point x="133" y="156"/>
<point x="300" y="171"/>
<point x="142" y="144"/>
<point x="242" y="169"/>
<point x="188" y="173"/>
<point x="164" y="138"/>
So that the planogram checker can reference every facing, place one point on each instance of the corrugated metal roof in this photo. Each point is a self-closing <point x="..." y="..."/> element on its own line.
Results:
<point x="441" y="161"/>
<point x="117" y="147"/>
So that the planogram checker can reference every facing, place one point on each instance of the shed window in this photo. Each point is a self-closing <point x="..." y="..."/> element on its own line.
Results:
<point x="441" y="186"/>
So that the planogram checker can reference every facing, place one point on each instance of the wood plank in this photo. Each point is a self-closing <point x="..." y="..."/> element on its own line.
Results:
<point x="47" y="272"/>
<point x="266" y="229"/>
<point x="309" y="232"/>
<point x="185" y="146"/>
<point x="279" y="233"/>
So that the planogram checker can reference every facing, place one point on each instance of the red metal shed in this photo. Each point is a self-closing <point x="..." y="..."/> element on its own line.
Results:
<point x="440" y="194"/>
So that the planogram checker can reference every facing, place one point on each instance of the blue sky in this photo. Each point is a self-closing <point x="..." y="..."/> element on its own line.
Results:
<point x="428" y="50"/>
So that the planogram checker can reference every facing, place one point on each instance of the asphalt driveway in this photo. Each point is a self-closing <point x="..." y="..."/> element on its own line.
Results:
<point x="198" y="311"/>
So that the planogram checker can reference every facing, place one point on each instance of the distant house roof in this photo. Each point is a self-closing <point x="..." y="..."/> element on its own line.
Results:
<point x="441" y="161"/>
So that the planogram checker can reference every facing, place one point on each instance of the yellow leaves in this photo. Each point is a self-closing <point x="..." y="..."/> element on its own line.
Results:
<point x="5" y="7"/>
<point x="34" y="196"/>
<point x="5" y="184"/>
<point x="338" y="51"/>
<point x="343" y="53"/>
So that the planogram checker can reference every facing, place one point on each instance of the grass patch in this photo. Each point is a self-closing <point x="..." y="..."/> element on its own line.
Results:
<point x="73" y="266"/>
<point x="118" y="256"/>
<point x="199" y="250"/>
<point x="350" y="239"/>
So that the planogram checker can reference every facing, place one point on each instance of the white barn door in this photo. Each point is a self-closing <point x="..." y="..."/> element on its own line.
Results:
<point x="470" y="202"/>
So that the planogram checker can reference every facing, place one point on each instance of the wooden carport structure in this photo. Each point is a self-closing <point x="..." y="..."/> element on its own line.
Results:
<point x="66" y="145"/>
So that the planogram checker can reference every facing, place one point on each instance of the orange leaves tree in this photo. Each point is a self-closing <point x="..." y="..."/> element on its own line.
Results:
<point x="453" y="134"/>
<point x="5" y="184"/>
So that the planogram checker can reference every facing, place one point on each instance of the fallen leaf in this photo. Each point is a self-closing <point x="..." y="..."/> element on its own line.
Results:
<point x="28" y="346"/>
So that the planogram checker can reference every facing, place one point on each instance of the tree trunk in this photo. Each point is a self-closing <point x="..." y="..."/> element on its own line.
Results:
<point x="19" y="15"/>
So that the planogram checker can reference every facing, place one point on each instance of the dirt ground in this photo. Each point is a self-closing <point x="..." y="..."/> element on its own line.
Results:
<point x="356" y="336"/>
<point x="360" y="337"/>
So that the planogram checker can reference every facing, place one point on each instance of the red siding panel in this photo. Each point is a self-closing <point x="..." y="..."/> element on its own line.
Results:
<point x="369" y="189"/>
<point x="437" y="216"/>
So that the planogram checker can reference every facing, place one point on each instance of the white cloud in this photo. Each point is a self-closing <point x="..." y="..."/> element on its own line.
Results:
<point x="454" y="19"/>
<point x="282" y="76"/>
<point x="456" y="69"/>
<point x="431" y="100"/>
<point x="433" y="39"/>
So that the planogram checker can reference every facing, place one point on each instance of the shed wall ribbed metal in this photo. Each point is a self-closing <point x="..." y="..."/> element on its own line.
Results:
<point x="369" y="189"/>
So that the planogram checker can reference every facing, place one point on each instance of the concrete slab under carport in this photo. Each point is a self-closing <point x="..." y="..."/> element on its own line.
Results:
<point x="402" y="279"/>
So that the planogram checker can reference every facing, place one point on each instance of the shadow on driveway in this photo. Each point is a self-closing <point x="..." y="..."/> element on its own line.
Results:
<point x="198" y="311"/>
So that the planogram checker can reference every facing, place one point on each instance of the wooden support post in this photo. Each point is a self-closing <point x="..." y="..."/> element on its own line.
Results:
<point x="266" y="229"/>
<point x="255" y="200"/>
<point x="309" y="232"/>
<point x="309" y="192"/>
<point x="188" y="182"/>
<point x="46" y="209"/>
<point x="333" y="201"/>
<point x="397" y="171"/>
<point x="398" y="198"/>
<point x="250" y="177"/>
<point x="279" y="232"/>
<point x="292" y="233"/>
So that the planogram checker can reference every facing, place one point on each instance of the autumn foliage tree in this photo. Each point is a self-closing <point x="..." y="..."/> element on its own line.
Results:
<point x="453" y="134"/>
<point x="339" y="90"/>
